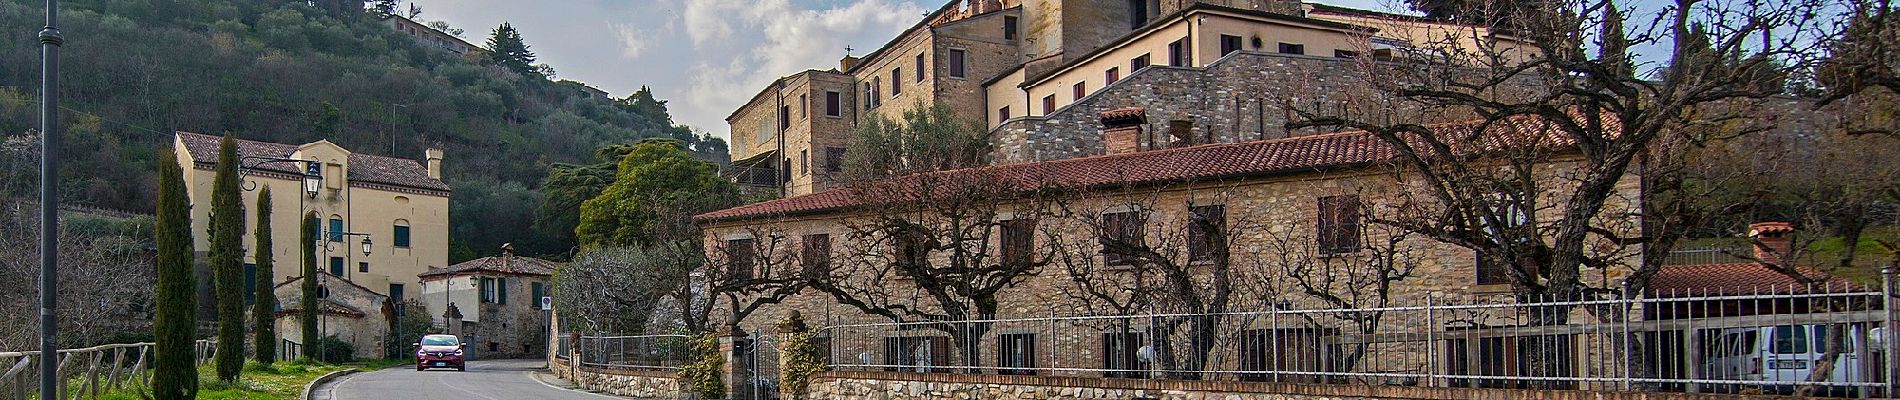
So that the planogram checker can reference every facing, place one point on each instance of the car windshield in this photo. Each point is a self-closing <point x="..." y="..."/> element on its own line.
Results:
<point x="438" y="341"/>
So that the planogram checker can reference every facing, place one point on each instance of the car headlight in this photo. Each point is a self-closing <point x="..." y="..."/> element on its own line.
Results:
<point x="458" y="352"/>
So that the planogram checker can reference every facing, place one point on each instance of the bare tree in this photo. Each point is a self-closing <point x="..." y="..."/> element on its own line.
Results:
<point x="764" y="268"/>
<point x="620" y="289"/>
<point x="105" y="265"/>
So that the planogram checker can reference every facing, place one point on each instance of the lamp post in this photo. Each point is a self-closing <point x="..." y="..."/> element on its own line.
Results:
<point x="323" y="238"/>
<point x="50" y="40"/>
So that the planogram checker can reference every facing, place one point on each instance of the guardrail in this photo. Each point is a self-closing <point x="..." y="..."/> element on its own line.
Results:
<point x="95" y="370"/>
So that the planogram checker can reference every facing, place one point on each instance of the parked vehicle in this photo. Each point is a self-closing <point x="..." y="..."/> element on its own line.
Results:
<point x="440" y="351"/>
<point x="1782" y="358"/>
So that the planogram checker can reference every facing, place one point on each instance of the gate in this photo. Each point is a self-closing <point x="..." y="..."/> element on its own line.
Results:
<point x="761" y="363"/>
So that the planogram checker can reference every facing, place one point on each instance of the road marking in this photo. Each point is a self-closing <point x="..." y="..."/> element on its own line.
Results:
<point x="442" y="378"/>
<point x="537" y="379"/>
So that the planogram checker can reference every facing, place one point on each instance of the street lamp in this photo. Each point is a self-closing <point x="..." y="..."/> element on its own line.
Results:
<point x="366" y="245"/>
<point x="312" y="178"/>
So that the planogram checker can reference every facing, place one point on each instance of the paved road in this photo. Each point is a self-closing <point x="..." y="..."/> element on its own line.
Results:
<point x="484" y="380"/>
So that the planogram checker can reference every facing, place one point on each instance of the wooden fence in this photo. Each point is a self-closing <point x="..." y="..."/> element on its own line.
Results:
<point x="89" y="372"/>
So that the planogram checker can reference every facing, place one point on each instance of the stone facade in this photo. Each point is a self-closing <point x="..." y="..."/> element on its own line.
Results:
<point x="626" y="383"/>
<point x="350" y="312"/>
<point x="499" y="300"/>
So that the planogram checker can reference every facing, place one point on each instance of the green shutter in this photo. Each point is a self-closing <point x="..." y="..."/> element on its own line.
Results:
<point x="501" y="293"/>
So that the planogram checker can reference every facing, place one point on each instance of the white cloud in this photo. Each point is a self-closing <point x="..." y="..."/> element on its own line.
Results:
<point x="788" y="40"/>
<point x="633" y="41"/>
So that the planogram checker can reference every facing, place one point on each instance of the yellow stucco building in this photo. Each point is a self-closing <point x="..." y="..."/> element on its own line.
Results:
<point x="400" y="206"/>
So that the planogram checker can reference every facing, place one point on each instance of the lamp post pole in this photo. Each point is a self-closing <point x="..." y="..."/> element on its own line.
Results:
<point x="50" y="40"/>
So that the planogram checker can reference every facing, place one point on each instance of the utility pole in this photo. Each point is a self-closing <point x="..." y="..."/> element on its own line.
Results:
<point x="50" y="41"/>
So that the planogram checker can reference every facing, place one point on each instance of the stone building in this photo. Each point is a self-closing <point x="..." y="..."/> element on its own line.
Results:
<point x="353" y="313"/>
<point x="397" y="208"/>
<point x="432" y="37"/>
<point x="495" y="302"/>
<point x="1027" y="69"/>
<point x="1269" y="211"/>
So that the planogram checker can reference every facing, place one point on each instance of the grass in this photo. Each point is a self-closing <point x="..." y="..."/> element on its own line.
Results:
<point x="257" y="382"/>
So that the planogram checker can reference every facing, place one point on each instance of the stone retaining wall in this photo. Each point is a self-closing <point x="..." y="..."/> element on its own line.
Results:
<point x="635" y="384"/>
<point x="908" y="386"/>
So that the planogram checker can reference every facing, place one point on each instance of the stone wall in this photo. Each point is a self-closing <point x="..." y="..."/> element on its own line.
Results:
<point x="626" y="383"/>
<point x="907" y="386"/>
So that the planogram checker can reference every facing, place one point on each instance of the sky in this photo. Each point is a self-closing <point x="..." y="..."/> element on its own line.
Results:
<point x="705" y="57"/>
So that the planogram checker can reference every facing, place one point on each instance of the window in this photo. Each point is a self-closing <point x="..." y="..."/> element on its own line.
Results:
<point x="832" y="104"/>
<point x="816" y="256"/>
<point x="834" y="159"/>
<point x="1137" y="63"/>
<point x="1080" y="89"/>
<point x="1122" y="227"/>
<point x="867" y="97"/>
<point x="1121" y="353"/>
<point x="1048" y="104"/>
<point x="1207" y="233"/>
<point x="877" y="91"/>
<point x="784" y="117"/>
<point x="1018" y="241"/>
<point x="1291" y="48"/>
<point x="401" y="233"/>
<point x="1113" y="74"/>
<point x="1009" y="28"/>
<point x="1002" y="114"/>
<point x="916" y="354"/>
<point x="336" y="228"/>
<point x="1491" y="272"/>
<point x="336" y="266"/>
<point x="1229" y="44"/>
<point x="1177" y="53"/>
<point x="897" y="81"/>
<point x="1345" y="54"/>
<point x="956" y="63"/>
<point x="739" y="259"/>
<point x="1285" y="349"/>
<point x="487" y="286"/>
<point x="1338" y="224"/>
<point x="396" y="293"/>
<point x="804" y="164"/>
<point x="803" y="107"/>
<point x="1016" y="354"/>
<point x="1137" y="13"/>
<point x="362" y="266"/>
<point x="918" y="65"/>
<point x="538" y="290"/>
<point x="1506" y="356"/>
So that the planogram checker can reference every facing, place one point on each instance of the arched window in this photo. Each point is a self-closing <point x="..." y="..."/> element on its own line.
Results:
<point x="401" y="233"/>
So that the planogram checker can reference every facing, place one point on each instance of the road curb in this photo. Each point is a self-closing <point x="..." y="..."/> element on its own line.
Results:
<point x="311" y="387"/>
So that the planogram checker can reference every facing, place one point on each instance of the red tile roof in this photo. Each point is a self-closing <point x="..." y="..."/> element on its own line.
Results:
<point x="504" y="264"/>
<point x="1194" y="163"/>
<point x="1732" y="279"/>
<point x="363" y="167"/>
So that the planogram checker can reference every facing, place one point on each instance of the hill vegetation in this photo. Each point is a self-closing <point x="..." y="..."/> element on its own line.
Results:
<point x="294" y="72"/>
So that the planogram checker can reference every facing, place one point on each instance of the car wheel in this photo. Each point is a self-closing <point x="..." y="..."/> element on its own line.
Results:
<point x="461" y="368"/>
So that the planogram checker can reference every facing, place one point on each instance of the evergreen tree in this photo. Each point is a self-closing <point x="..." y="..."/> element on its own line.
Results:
<point x="308" y="316"/>
<point x="643" y="103"/>
<point x="326" y="120"/>
<point x="382" y="9"/>
<point x="175" y="375"/>
<point x="1612" y="44"/>
<point x="508" y="50"/>
<point x="263" y="330"/>
<point x="227" y="261"/>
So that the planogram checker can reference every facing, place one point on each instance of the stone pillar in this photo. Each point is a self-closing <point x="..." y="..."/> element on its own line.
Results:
<point x="735" y="346"/>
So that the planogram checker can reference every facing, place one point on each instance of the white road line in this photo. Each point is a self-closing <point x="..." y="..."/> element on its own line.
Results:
<point x="537" y="379"/>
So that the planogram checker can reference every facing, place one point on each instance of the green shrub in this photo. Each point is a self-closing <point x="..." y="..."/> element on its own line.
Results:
<point x="702" y="376"/>
<point x="798" y="358"/>
<point x="330" y="349"/>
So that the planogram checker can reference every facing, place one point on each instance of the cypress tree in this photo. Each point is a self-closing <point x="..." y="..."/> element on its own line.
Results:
<point x="263" y="329"/>
<point x="227" y="259"/>
<point x="175" y="374"/>
<point x="508" y="50"/>
<point x="308" y="317"/>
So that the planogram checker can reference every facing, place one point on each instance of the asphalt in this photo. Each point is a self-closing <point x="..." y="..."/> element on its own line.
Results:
<point x="484" y="380"/>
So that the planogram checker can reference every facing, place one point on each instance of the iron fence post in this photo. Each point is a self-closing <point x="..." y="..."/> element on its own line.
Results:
<point x="1891" y="334"/>
<point x="1431" y="327"/>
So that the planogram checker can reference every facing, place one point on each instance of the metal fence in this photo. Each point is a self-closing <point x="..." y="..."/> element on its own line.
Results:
<point x="1771" y="339"/>
<point x="638" y="352"/>
<point x="88" y="372"/>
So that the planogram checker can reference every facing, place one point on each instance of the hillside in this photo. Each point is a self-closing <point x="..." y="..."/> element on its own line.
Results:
<point x="295" y="72"/>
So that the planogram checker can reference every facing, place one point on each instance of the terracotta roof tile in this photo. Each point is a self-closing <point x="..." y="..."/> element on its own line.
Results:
<point x="1731" y="279"/>
<point x="1203" y="162"/>
<point x="363" y="167"/>
<point x="505" y="264"/>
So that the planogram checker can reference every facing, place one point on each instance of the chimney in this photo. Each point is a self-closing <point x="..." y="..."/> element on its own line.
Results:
<point x="1771" y="240"/>
<point x="1121" y="129"/>
<point x="433" y="159"/>
<point x="847" y="62"/>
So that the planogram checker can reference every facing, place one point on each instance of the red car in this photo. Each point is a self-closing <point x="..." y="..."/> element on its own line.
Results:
<point x="440" y="351"/>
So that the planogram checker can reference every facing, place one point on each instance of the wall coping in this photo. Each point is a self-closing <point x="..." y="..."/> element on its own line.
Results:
<point x="1325" y="390"/>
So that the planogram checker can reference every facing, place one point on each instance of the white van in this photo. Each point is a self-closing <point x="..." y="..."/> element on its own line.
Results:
<point x="1779" y="358"/>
